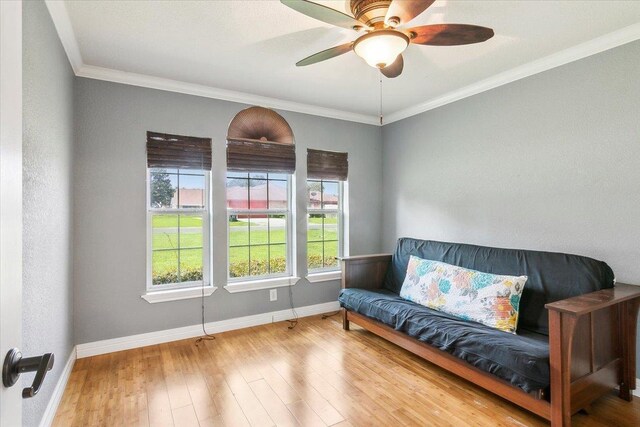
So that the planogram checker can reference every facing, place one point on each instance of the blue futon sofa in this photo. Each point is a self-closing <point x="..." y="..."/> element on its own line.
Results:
<point x="570" y="311"/>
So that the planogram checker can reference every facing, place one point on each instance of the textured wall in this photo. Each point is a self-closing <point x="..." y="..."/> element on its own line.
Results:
<point x="47" y="203"/>
<point x="110" y="214"/>
<point x="549" y="163"/>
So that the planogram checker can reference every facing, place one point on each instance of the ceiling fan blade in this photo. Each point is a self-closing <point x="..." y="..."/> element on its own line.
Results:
<point x="325" y="54"/>
<point x="324" y="14"/>
<point x="405" y="10"/>
<point x="449" y="34"/>
<point x="395" y="69"/>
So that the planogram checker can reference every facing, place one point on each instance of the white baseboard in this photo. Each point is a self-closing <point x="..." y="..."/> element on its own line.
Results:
<point x="56" y="397"/>
<point x="168" y="335"/>
<point x="636" y="392"/>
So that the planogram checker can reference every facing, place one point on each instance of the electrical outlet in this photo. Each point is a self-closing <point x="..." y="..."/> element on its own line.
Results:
<point x="273" y="295"/>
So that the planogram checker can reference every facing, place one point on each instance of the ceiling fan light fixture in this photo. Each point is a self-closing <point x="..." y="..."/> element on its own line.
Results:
<point x="380" y="48"/>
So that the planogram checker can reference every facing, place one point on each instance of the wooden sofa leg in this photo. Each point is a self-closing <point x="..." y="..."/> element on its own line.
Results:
<point x="561" y="328"/>
<point x="345" y="320"/>
<point x="628" y="325"/>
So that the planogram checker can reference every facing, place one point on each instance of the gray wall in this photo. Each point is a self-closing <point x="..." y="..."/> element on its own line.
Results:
<point x="47" y="203"/>
<point x="549" y="163"/>
<point x="110" y="214"/>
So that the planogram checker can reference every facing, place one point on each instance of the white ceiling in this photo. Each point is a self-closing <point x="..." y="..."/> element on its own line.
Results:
<point x="252" y="47"/>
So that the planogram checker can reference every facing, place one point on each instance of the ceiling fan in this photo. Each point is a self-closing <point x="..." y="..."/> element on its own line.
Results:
<point x="383" y="42"/>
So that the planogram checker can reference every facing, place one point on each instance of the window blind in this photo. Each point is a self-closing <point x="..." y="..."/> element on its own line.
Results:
<point x="260" y="156"/>
<point x="177" y="151"/>
<point x="328" y="165"/>
<point x="260" y="140"/>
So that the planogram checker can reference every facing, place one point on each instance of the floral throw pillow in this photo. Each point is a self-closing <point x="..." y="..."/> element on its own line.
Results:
<point x="490" y="299"/>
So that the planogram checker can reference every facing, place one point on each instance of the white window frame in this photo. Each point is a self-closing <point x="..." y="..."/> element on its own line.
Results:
<point x="173" y="291"/>
<point x="265" y="281"/>
<point x="326" y="273"/>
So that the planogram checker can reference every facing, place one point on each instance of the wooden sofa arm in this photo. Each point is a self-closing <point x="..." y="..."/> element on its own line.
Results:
<point x="593" y="301"/>
<point x="592" y="348"/>
<point x="366" y="271"/>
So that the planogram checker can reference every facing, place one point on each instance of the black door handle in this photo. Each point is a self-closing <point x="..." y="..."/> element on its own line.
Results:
<point x="14" y="364"/>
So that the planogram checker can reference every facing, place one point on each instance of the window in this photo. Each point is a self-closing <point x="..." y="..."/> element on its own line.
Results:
<point x="178" y="174"/>
<point x="326" y="172"/>
<point x="178" y="221"/>
<point x="258" y="206"/>
<point x="324" y="217"/>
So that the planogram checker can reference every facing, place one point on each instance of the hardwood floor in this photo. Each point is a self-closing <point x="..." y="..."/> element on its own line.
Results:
<point x="313" y="375"/>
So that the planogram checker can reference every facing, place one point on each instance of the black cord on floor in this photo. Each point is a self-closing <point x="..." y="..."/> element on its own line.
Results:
<point x="292" y="322"/>
<point x="327" y="315"/>
<point x="206" y="336"/>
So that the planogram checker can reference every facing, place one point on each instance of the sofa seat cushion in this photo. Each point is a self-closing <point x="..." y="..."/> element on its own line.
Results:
<point x="522" y="360"/>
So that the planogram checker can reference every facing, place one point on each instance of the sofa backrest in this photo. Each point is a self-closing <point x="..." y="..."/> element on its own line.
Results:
<point x="551" y="276"/>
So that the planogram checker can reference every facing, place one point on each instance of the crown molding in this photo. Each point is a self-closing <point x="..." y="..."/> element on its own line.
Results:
<point x="62" y="22"/>
<point x="142" y="80"/>
<point x="583" y="50"/>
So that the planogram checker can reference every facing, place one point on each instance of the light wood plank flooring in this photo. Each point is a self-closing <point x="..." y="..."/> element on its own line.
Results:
<point x="313" y="375"/>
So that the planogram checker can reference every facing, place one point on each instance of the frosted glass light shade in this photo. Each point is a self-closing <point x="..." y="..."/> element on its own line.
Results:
<point x="380" y="48"/>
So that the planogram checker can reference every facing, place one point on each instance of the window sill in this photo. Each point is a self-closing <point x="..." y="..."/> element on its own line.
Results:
<point x="255" y="285"/>
<point x="153" y="297"/>
<point x="324" y="276"/>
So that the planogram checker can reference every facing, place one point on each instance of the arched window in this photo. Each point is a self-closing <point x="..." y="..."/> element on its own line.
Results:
<point x="260" y="161"/>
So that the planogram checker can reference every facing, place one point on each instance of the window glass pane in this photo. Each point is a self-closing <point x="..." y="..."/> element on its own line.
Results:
<point x="238" y="261"/>
<point x="314" y="227"/>
<point x="258" y="175"/>
<point x="330" y="226"/>
<point x="237" y="193"/>
<point x="190" y="193"/>
<point x="314" y="255"/>
<point x="190" y="265"/>
<point x="259" y="259"/>
<point x="162" y="189"/>
<point x="176" y="239"/>
<point x="331" y="254"/>
<point x="164" y="231"/>
<point x="258" y="230"/>
<point x="278" y="258"/>
<point x="164" y="266"/>
<point x="278" y="176"/>
<point x="258" y="194"/>
<point x="314" y="194"/>
<point x="277" y="229"/>
<point x="190" y="231"/>
<point x="278" y="195"/>
<point x="330" y="195"/>
<point x="238" y="230"/>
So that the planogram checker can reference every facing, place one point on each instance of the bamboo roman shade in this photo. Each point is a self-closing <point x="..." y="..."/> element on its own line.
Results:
<point x="327" y="165"/>
<point x="177" y="151"/>
<point x="260" y="140"/>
